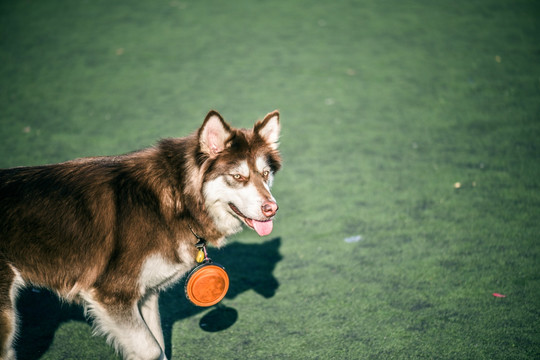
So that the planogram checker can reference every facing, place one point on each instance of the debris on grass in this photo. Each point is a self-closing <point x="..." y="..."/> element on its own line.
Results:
<point x="499" y="295"/>
<point x="459" y="185"/>
<point x="353" y="239"/>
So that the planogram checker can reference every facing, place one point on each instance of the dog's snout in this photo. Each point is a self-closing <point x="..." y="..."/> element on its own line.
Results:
<point x="269" y="208"/>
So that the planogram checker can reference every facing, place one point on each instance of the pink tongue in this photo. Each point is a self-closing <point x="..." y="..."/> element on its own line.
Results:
<point x="263" y="227"/>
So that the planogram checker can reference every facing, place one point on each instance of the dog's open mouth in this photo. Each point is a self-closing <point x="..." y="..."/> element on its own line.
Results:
<point x="262" y="228"/>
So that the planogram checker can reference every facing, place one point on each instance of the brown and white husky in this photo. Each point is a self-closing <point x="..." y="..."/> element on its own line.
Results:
<point x="111" y="232"/>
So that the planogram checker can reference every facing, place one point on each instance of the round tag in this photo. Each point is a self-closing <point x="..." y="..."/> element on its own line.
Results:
<point x="207" y="284"/>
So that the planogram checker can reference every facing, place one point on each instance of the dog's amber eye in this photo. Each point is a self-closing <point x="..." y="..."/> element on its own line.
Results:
<point x="266" y="173"/>
<point x="239" y="177"/>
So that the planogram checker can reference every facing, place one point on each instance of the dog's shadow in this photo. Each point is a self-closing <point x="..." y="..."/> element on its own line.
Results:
<point x="249" y="266"/>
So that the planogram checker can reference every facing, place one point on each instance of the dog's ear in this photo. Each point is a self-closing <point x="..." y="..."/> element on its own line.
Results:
<point x="214" y="134"/>
<point x="269" y="129"/>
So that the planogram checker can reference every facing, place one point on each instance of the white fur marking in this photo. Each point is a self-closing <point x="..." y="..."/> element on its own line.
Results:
<point x="218" y="194"/>
<point x="242" y="169"/>
<point x="150" y="313"/>
<point x="127" y="332"/>
<point x="261" y="164"/>
<point x="270" y="182"/>
<point x="156" y="272"/>
<point x="18" y="283"/>
<point x="249" y="201"/>
<point x="217" y="198"/>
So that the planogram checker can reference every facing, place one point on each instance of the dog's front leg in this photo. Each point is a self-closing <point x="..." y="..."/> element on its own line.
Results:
<point x="150" y="313"/>
<point x="125" y="328"/>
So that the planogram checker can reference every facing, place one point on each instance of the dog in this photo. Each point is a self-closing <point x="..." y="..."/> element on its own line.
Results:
<point x="112" y="232"/>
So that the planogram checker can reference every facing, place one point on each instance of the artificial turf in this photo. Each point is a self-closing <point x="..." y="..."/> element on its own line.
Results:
<point x="411" y="129"/>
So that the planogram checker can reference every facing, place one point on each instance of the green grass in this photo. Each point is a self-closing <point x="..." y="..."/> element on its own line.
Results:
<point x="385" y="106"/>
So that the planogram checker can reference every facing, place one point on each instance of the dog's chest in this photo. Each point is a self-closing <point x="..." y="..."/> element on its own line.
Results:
<point x="158" y="272"/>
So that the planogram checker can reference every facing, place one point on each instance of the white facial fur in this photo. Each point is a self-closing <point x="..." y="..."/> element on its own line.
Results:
<point x="246" y="197"/>
<point x="218" y="206"/>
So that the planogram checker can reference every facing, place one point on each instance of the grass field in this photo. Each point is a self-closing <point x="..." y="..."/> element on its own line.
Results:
<point x="411" y="129"/>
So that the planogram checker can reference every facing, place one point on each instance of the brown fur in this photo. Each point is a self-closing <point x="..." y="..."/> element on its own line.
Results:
<point x="87" y="226"/>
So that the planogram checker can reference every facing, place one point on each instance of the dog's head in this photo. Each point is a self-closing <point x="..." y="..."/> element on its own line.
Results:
<point x="239" y="167"/>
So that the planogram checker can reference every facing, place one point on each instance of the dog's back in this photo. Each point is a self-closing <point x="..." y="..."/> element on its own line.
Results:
<point x="57" y="217"/>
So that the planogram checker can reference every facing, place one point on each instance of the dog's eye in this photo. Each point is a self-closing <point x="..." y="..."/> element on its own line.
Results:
<point x="239" y="177"/>
<point x="265" y="173"/>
